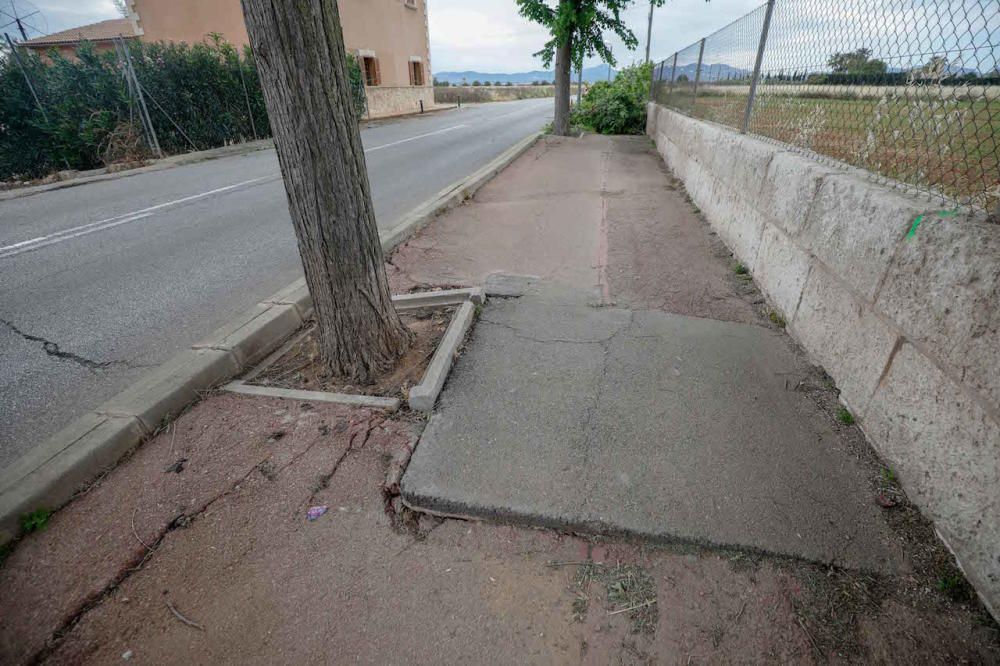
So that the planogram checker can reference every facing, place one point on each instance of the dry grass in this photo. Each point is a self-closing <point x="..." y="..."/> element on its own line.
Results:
<point x="951" y="146"/>
<point x="629" y="590"/>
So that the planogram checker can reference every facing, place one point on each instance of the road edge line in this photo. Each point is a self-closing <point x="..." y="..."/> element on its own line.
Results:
<point x="49" y="476"/>
<point x="183" y="159"/>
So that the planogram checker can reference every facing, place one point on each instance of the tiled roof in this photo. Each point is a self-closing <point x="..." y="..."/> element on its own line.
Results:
<point x="94" y="32"/>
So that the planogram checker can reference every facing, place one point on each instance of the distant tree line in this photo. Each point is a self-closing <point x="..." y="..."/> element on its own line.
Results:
<point x="478" y="84"/>
<point x="859" y="67"/>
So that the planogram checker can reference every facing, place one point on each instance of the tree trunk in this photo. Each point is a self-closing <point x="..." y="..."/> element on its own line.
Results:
<point x="300" y="53"/>
<point x="564" y="65"/>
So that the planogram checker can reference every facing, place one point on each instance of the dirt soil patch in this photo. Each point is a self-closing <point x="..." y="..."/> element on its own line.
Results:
<point x="302" y="368"/>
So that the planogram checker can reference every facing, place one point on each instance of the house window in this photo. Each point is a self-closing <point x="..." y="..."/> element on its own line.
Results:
<point x="369" y="65"/>
<point x="416" y="73"/>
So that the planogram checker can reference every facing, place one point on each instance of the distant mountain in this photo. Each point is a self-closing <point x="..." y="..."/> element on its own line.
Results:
<point x="709" y="72"/>
<point x="590" y="74"/>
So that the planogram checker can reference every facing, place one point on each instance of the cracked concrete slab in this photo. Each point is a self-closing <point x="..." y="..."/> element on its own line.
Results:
<point x="607" y="420"/>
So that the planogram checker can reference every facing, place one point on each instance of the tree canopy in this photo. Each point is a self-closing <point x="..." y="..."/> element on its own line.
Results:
<point x="585" y="22"/>
<point x="856" y="62"/>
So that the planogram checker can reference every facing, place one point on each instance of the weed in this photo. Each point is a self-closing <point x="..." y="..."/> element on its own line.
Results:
<point x="889" y="475"/>
<point x="954" y="587"/>
<point x="629" y="590"/>
<point x="35" y="521"/>
<point x="740" y="269"/>
<point x="844" y="416"/>
<point x="776" y="318"/>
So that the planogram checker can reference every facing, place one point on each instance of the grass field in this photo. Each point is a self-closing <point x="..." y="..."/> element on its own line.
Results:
<point x="948" y="146"/>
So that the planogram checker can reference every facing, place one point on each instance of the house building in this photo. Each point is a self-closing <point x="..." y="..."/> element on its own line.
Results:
<point x="66" y="42"/>
<point x="389" y="37"/>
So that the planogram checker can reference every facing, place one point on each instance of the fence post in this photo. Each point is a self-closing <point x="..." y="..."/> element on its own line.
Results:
<point x="757" y="65"/>
<point x="246" y="96"/>
<point x="697" y="72"/>
<point x="673" y="76"/>
<point x="24" y="73"/>
<point x="154" y="142"/>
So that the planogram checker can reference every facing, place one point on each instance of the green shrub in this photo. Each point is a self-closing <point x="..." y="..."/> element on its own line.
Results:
<point x="211" y="91"/>
<point x="357" y="85"/>
<point x="618" y="106"/>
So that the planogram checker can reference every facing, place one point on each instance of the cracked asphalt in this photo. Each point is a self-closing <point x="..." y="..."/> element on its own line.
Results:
<point x="95" y="287"/>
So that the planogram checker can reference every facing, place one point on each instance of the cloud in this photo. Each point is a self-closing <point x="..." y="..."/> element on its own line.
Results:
<point x="489" y="36"/>
<point x="59" y="15"/>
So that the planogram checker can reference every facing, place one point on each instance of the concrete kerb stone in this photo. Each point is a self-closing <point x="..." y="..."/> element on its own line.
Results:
<point x="251" y="336"/>
<point x="353" y="400"/>
<point x="424" y="395"/>
<point x="438" y="298"/>
<point x="48" y="476"/>
<point x="164" y="392"/>
<point x="65" y="463"/>
<point x="297" y="294"/>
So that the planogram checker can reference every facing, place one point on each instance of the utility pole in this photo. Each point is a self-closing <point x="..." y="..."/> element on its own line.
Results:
<point x="135" y="91"/>
<point x="649" y="30"/>
<point x="31" y="87"/>
<point x="27" y="79"/>
<point x="579" y="85"/>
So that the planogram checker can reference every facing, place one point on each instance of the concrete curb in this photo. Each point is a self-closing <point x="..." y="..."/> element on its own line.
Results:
<point x="439" y="298"/>
<point x="50" y="474"/>
<point x="424" y="395"/>
<point x="353" y="400"/>
<point x="101" y="175"/>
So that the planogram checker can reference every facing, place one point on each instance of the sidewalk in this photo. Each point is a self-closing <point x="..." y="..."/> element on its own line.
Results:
<point x="636" y="388"/>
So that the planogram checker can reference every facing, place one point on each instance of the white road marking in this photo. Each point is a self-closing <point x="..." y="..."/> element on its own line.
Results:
<point x="413" y="138"/>
<point x="112" y="222"/>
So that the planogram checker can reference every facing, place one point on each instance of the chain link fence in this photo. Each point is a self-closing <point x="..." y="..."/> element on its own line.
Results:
<point x="906" y="89"/>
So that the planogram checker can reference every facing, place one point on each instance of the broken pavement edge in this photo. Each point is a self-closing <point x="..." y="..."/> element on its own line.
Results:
<point x="49" y="476"/>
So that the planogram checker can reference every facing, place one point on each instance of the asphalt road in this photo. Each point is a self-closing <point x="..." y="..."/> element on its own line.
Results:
<point x="100" y="282"/>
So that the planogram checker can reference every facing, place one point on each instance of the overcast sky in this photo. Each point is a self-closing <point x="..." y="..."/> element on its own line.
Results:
<point x="488" y="35"/>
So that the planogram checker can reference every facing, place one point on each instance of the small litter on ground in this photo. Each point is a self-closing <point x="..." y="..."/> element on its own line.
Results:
<point x="316" y="512"/>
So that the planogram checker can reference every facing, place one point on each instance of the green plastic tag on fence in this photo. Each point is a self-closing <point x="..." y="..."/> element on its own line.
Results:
<point x="916" y="222"/>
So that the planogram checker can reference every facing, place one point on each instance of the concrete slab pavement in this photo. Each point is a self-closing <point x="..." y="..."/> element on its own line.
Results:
<point x="644" y="423"/>
<point x="223" y="538"/>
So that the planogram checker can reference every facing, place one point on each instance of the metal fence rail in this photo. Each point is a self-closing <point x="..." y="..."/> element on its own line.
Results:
<point x="907" y="89"/>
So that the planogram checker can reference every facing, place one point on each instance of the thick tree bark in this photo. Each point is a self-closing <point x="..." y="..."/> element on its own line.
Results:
<point x="564" y="66"/>
<point x="300" y="53"/>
